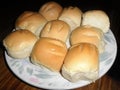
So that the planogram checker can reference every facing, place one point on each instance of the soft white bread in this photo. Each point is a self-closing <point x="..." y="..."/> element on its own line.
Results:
<point x="81" y="63"/>
<point x="56" y="29"/>
<point x="31" y="21"/>
<point x="72" y="16"/>
<point x="88" y="34"/>
<point x="50" y="53"/>
<point x="51" y="10"/>
<point x="19" y="43"/>
<point x="96" y="18"/>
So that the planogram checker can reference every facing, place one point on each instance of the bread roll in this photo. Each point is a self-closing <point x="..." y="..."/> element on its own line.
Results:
<point x="81" y="63"/>
<point x="31" y="21"/>
<point x="88" y="34"/>
<point x="19" y="43"/>
<point x="49" y="53"/>
<point x="96" y="18"/>
<point x="51" y="10"/>
<point x="72" y="16"/>
<point x="56" y="29"/>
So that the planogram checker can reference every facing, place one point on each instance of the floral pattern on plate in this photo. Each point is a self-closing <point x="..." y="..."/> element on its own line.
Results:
<point x="41" y="77"/>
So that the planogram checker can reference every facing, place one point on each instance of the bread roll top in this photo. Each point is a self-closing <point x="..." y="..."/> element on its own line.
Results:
<point x="88" y="34"/>
<point x="72" y="16"/>
<point x="49" y="53"/>
<point x="51" y="10"/>
<point x="81" y="63"/>
<point x="97" y="18"/>
<point x="31" y="21"/>
<point x="56" y="29"/>
<point x="82" y="57"/>
<point x="19" y="43"/>
<point x="19" y="40"/>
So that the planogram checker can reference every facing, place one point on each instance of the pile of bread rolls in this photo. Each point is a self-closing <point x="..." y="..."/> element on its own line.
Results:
<point x="43" y="36"/>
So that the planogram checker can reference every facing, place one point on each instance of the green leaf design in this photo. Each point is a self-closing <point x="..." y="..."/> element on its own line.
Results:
<point x="44" y="76"/>
<point x="30" y="71"/>
<point x="14" y="63"/>
<point x="21" y="69"/>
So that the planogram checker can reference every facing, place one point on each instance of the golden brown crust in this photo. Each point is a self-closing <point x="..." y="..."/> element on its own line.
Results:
<point x="56" y="29"/>
<point x="72" y="16"/>
<point x="17" y="38"/>
<point x="88" y="34"/>
<point x="31" y="21"/>
<point x="81" y="59"/>
<point x="51" y="10"/>
<point x="49" y="53"/>
<point x="82" y="54"/>
<point x="19" y="43"/>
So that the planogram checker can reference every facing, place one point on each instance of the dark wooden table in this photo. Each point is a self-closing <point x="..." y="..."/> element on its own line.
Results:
<point x="9" y="13"/>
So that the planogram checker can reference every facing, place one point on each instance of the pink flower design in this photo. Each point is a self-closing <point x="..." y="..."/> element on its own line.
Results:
<point x="35" y="80"/>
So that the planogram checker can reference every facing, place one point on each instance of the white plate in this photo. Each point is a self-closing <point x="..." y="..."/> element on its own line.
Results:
<point x="42" y="78"/>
